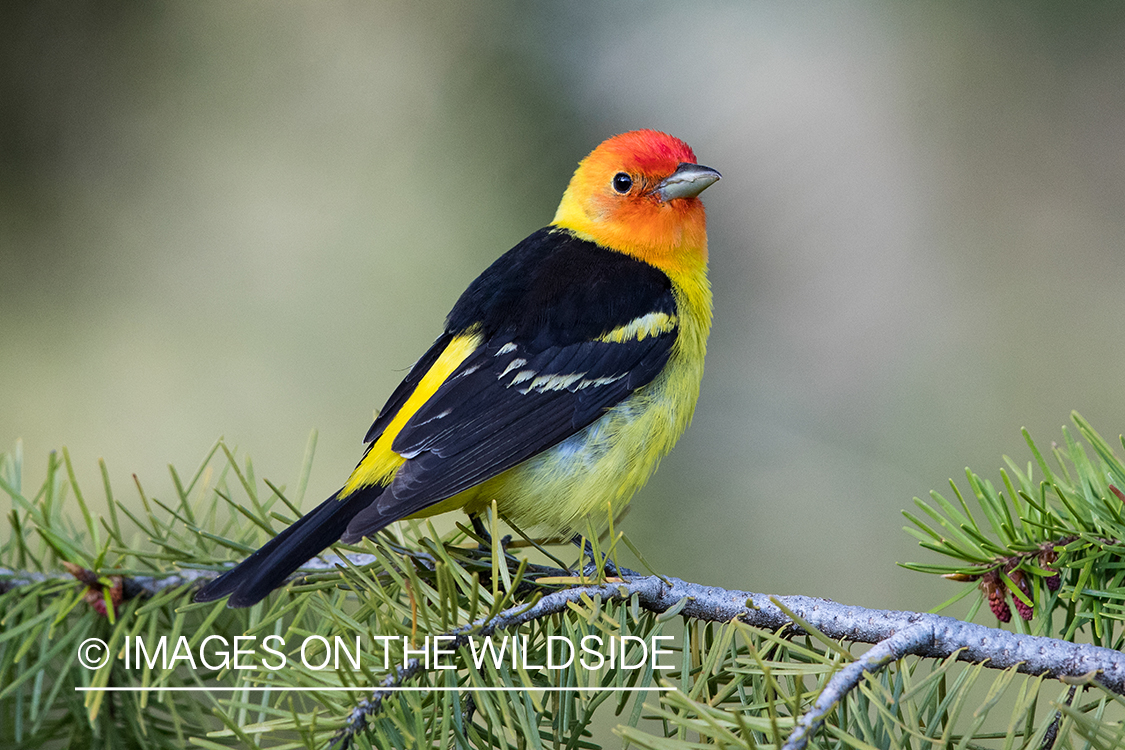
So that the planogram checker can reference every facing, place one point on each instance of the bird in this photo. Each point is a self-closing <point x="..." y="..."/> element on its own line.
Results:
<point x="565" y="372"/>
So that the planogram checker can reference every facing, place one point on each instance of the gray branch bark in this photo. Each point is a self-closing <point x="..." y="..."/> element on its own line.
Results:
<point x="894" y="633"/>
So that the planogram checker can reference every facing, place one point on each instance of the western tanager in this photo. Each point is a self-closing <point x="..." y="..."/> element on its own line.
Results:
<point x="566" y="370"/>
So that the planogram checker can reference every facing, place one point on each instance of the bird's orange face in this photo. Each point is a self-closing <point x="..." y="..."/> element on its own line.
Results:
<point x="638" y="193"/>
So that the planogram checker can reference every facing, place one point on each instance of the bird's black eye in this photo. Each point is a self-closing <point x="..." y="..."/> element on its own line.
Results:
<point x="622" y="182"/>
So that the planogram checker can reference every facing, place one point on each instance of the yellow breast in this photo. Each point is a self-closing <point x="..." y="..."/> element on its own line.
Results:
<point x="594" y="473"/>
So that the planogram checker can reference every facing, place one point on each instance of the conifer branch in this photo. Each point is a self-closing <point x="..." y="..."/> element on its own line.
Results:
<point x="895" y="634"/>
<point x="978" y="644"/>
<point x="1047" y="547"/>
<point x="897" y="646"/>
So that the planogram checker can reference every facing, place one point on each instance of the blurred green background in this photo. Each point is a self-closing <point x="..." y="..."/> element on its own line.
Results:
<point x="249" y="219"/>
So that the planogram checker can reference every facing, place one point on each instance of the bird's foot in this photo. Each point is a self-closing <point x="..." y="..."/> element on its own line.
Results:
<point x="485" y="545"/>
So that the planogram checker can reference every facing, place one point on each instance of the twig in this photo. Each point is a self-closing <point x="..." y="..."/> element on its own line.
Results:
<point x="146" y="586"/>
<point x="919" y="634"/>
<point x="900" y="644"/>
<point x="973" y="643"/>
<point x="894" y="633"/>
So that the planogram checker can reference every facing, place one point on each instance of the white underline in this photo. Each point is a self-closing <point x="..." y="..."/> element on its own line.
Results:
<point x="398" y="689"/>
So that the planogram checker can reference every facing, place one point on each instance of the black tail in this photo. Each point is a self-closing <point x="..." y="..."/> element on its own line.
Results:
<point x="256" y="576"/>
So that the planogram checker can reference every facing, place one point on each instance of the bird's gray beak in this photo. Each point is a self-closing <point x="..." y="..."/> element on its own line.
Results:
<point x="688" y="181"/>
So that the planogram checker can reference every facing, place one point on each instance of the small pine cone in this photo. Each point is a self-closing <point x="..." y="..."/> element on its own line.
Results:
<point x="1053" y="582"/>
<point x="1020" y="580"/>
<point x="96" y="601"/>
<point x="997" y="596"/>
<point x="95" y="597"/>
<point x="1000" y="607"/>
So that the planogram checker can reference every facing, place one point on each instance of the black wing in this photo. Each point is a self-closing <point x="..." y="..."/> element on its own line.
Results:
<point x="485" y="421"/>
<point x="544" y="373"/>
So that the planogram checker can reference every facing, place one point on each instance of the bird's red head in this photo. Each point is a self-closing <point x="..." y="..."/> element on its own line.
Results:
<point x="637" y="193"/>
